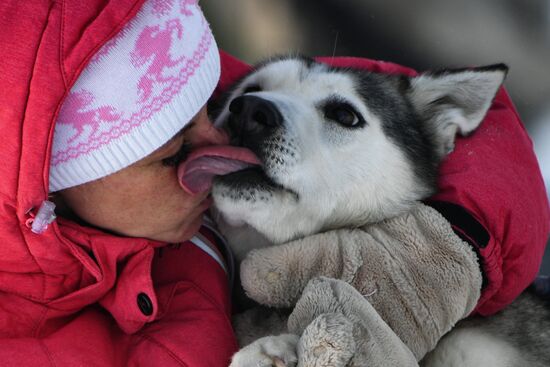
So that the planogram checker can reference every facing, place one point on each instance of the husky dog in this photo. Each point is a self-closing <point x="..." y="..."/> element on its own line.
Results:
<point x="342" y="148"/>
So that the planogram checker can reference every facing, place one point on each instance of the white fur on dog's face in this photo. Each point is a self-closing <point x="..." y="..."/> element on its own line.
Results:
<point x="320" y="166"/>
<point x="320" y="174"/>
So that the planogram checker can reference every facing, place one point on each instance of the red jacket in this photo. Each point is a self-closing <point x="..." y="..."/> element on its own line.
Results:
<point x="490" y="189"/>
<point x="75" y="296"/>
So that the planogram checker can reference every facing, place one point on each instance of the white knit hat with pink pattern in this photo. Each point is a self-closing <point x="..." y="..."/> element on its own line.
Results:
<point x="138" y="91"/>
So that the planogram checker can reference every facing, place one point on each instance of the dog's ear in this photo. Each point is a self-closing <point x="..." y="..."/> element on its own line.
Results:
<point x="454" y="101"/>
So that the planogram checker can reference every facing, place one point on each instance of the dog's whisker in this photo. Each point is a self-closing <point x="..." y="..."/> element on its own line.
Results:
<point x="335" y="44"/>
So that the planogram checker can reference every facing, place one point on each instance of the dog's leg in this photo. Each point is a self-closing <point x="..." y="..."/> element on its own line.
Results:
<point x="270" y="351"/>
<point x="473" y="347"/>
<point x="263" y="331"/>
<point x="259" y="321"/>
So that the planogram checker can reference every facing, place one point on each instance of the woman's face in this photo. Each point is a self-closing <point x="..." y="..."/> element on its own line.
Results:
<point x="145" y="199"/>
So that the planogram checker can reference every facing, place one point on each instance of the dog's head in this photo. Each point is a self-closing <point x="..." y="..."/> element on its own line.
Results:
<point x="341" y="146"/>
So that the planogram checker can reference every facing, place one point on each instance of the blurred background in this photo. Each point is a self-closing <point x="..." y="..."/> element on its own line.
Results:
<point x="422" y="34"/>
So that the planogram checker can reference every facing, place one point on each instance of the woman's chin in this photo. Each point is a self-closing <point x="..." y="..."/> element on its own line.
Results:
<point x="188" y="230"/>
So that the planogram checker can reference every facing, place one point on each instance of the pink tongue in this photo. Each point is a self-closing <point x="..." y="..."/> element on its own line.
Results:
<point x="197" y="171"/>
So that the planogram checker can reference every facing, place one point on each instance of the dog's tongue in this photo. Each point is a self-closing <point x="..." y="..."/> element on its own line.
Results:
<point x="196" y="173"/>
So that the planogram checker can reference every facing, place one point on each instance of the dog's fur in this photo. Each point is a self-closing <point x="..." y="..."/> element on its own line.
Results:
<point x="343" y="148"/>
<point x="319" y="174"/>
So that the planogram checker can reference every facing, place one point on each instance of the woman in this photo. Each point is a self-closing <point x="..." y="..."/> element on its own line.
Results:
<point x="127" y="83"/>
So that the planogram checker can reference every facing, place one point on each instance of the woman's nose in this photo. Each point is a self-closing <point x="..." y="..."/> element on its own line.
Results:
<point x="209" y="135"/>
<point x="205" y="133"/>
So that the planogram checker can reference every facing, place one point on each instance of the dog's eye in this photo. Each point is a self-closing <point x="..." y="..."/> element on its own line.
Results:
<point x="252" y="88"/>
<point x="344" y="114"/>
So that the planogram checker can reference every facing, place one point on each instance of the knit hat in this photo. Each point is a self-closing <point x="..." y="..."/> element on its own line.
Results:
<point x="138" y="91"/>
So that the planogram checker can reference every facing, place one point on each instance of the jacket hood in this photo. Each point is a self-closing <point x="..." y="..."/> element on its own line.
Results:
<point x="46" y="45"/>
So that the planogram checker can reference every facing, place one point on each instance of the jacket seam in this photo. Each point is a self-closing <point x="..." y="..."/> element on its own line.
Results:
<point x="39" y="323"/>
<point x="95" y="271"/>
<point x="207" y="296"/>
<point x="213" y="302"/>
<point x="192" y="285"/>
<point x="168" y="302"/>
<point x="180" y="283"/>
<point x="163" y="347"/>
<point x="47" y="352"/>
<point x="23" y="236"/>
<point x="62" y="44"/>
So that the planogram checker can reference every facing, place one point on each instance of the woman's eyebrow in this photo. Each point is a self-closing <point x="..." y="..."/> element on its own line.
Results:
<point x="180" y="133"/>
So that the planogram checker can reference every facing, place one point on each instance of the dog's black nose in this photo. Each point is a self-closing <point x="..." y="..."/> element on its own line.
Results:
<point x="255" y="112"/>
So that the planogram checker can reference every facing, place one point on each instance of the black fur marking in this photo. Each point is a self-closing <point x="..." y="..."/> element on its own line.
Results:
<point x="493" y="67"/>
<point x="384" y="95"/>
<point x="251" y="184"/>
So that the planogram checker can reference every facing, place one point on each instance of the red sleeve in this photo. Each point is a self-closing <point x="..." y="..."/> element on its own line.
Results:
<point x="232" y="69"/>
<point x="493" y="175"/>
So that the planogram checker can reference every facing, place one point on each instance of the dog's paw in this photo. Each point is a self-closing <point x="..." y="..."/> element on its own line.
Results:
<point x="270" y="351"/>
<point x="327" y="341"/>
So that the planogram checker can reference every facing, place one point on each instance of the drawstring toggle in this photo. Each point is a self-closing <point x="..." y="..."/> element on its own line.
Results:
<point x="44" y="216"/>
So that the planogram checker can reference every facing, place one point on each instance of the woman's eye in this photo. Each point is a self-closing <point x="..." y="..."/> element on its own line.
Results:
<point x="180" y="156"/>
<point x="252" y="88"/>
<point x="344" y="114"/>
